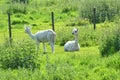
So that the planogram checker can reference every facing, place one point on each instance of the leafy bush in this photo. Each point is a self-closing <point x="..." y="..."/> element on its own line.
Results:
<point x="64" y="35"/>
<point x="21" y="1"/>
<point x="19" y="55"/>
<point x="110" y="42"/>
<point x="87" y="36"/>
<point x="16" y="22"/>
<point x="15" y="7"/>
<point x="63" y="40"/>
<point x="114" y="61"/>
<point x="105" y="9"/>
<point x="77" y="22"/>
<point x="66" y="10"/>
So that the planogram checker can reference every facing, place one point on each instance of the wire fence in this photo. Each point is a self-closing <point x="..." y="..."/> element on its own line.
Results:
<point x="17" y="35"/>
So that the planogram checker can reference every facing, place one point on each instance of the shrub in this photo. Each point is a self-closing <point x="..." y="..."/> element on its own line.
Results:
<point x="77" y="22"/>
<point x="110" y="42"/>
<point x="15" y="7"/>
<point x="63" y="40"/>
<point x="65" y="10"/>
<point x="64" y="35"/>
<point x="19" y="55"/>
<point x="104" y="9"/>
<point x="87" y="36"/>
<point x="21" y="1"/>
<point x="17" y="21"/>
<point x="114" y="61"/>
<point x="25" y="22"/>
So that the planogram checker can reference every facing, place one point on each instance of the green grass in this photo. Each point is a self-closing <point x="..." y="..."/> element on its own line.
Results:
<point x="86" y="64"/>
<point x="62" y="65"/>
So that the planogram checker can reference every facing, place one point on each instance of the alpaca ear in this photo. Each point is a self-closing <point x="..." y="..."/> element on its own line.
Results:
<point x="77" y="29"/>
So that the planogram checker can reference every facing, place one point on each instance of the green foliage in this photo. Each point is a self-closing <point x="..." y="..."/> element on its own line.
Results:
<point x="114" y="61"/>
<point x="105" y="9"/>
<point x="39" y="11"/>
<point x="17" y="21"/>
<point x="18" y="61"/>
<point x="16" y="6"/>
<point x="110" y="42"/>
<point x="20" y="55"/>
<point x="66" y="10"/>
<point x="63" y="65"/>
<point x="87" y="36"/>
<point x="64" y="35"/>
<point x="21" y="1"/>
<point x="77" y="22"/>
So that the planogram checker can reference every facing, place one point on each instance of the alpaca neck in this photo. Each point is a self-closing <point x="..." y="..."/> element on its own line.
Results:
<point x="31" y="35"/>
<point x="76" y="39"/>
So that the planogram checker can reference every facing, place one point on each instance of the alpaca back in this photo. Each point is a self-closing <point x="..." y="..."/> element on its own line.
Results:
<point x="45" y="36"/>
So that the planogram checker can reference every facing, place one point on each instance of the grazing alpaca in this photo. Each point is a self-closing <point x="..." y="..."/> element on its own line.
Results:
<point x="42" y="36"/>
<point x="73" y="45"/>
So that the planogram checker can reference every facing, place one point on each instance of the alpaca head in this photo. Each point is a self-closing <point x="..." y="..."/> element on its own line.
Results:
<point x="27" y="29"/>
<point x="75" y="31"/>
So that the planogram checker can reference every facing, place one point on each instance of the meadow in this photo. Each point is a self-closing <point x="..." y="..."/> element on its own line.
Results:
<point x="99" y="55"/>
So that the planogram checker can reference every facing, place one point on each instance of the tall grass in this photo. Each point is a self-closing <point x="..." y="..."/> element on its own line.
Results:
<point x="106" y="9"/>
<point x="62" y="65"/>
<point x="20" y="61"/>
<point x="110" y="42"/>
<point x="21" y="54"/>
<point x="69" y="13"/>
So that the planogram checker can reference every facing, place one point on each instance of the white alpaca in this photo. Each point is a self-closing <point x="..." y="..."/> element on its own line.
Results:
<point x="42" y="36"/>
<point x="73" y="45"/>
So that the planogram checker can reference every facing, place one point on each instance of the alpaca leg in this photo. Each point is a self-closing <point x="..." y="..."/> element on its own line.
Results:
<point x="44" y="45"/>
<point x="52" y="46"/>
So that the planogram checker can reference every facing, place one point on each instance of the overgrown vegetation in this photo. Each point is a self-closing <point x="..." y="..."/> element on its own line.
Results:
<point x="105" y="9"/>
<point x="20" y="61"/>
<point x="110" y="41"/>
<point x="87" y="36"/>
<point x="19" y="55"/>
<point x="61" y="65"/>
<point x="72" y="13"/>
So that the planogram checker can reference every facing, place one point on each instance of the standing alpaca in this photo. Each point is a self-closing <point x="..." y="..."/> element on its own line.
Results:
<point x="42" y="36"/>
<point x="73" y="45"/>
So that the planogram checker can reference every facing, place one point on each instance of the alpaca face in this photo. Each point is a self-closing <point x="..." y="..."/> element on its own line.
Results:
<point x="27" y="29"/>
<point x="75" y="31"/>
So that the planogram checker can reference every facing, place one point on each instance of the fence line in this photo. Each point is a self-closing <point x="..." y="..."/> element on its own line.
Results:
<point x="52" y="17"/>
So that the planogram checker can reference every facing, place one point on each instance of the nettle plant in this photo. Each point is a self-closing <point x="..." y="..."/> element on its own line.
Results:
<point x="20" y="55"/>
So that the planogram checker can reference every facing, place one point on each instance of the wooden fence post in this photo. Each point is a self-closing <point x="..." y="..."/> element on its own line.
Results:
<point x="52" y="14"/>
<point x="9" y="27"/>
<point x="94" y="18"/>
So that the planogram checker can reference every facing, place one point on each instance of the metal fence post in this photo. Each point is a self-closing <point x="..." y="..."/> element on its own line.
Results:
<point x="9" y="27"/>
<point x="94" y="18"/>
<point x="52" y="14"/>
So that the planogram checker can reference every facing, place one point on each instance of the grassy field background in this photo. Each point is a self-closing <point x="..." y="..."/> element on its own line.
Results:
<point x="99" y="55"/>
